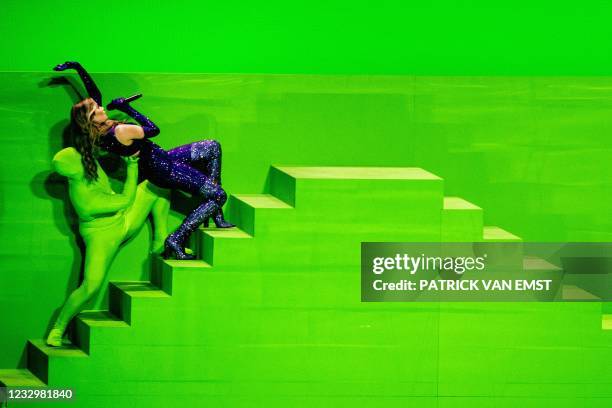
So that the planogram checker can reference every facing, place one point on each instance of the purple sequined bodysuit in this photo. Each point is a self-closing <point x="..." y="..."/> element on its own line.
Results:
<point x="194" y="168"/>
<point x="155" y="163"/>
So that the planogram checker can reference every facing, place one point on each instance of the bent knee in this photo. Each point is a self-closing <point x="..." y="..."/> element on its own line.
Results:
<point x="214" y="192"/>
<point x="91" y="288"/>
<point x="220" y="196"/>
<point x="215" y="148"/>
<point x="209" y="149"/>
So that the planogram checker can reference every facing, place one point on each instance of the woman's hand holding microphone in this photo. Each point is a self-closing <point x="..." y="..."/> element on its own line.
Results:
<point x="121" y="103"/>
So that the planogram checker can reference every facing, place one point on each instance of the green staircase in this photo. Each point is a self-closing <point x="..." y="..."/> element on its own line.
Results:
<point x="271" y="315"/>
<point x="606" y="320"/>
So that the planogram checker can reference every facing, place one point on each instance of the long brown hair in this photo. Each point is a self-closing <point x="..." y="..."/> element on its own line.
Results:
<point x="86" y="135"/>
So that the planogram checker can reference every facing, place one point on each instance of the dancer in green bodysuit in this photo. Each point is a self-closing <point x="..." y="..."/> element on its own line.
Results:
<point x="106" y="219"/>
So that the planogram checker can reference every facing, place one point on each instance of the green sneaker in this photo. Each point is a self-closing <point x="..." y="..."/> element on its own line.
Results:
<point x="55" y="337"/>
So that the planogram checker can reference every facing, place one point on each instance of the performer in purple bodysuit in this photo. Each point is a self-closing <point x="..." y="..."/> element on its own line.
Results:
<point x="194" y="167"/>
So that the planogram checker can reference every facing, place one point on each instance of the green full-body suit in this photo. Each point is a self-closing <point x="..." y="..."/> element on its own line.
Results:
<point x="106" y="220"/>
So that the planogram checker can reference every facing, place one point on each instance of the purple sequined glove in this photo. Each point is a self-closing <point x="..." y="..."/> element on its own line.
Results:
<point x="149" y="128"/>
<point x="66" y="65"/>
<point x="117" y="104"/>
<point x="90" y="85"/>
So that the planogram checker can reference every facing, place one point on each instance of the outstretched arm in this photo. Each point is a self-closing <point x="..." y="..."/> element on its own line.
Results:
<point x="90" y="85"/>
<point x="149" y="128"/>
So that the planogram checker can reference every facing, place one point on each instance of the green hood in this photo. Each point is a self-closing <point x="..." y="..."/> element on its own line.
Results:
<point x="67" y="162"/>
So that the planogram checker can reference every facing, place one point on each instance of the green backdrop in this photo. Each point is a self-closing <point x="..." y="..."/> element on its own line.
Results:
<point x="446" y="37"/>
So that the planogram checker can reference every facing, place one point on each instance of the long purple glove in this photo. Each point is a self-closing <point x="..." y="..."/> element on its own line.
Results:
<point x="149" y="128"/>
<point x="90" y="85"/>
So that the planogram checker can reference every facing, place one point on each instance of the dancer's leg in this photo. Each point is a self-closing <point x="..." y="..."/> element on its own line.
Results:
<point x="181" y="153"/>
<point x="149" y="199"/>
<point x="175" y="242"/>
<point x="208" y="152"/>
<point x="99" y="251"/>
<point x="204" y="155"/>
<point x="160" y="211"/>
<point x="186" y="178"/>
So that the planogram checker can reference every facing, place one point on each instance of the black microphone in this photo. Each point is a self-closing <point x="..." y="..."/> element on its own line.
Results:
<point x="112" y="106"/>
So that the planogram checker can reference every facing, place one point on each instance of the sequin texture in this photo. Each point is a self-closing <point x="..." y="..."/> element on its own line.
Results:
<point x="194" y="167"/>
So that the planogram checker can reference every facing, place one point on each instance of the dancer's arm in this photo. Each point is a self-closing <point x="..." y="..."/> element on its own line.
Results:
<point x="90" y="85"/>
<point x="108" y="203"/>
<point x="149" y="129"/>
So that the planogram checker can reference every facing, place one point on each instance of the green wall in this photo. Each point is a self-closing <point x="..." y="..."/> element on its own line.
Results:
<point x="448" y="37"/>
<point x="533" y="152"/>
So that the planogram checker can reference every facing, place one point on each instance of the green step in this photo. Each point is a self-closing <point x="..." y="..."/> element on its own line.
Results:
<point x="20" y="377"/>
<point x="225" y="233"/>
<point x="606" y="322"/>
<point x="539" y="268"/>
<point x="338" y="208"/>
<point x="176" y="277"/>
<point x="92" y="326"/>
<point x="534" y="263"/>
<point x="496" y="234"/>
<point x="459" y="204"/>
<point x="461" y="220"/>
<point x="598" y="284"/>
<point x="575" y="293"/>
<point x="372" y="203"/>
<point x="255" y="285"/>
<point x="49" y="363"/>
<point x="250" y="212"/>
<point x="285" y="181"/>
<point x="133" y="301"/>
<point x="504" y="250"/>
<point x="223" y="244"/>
